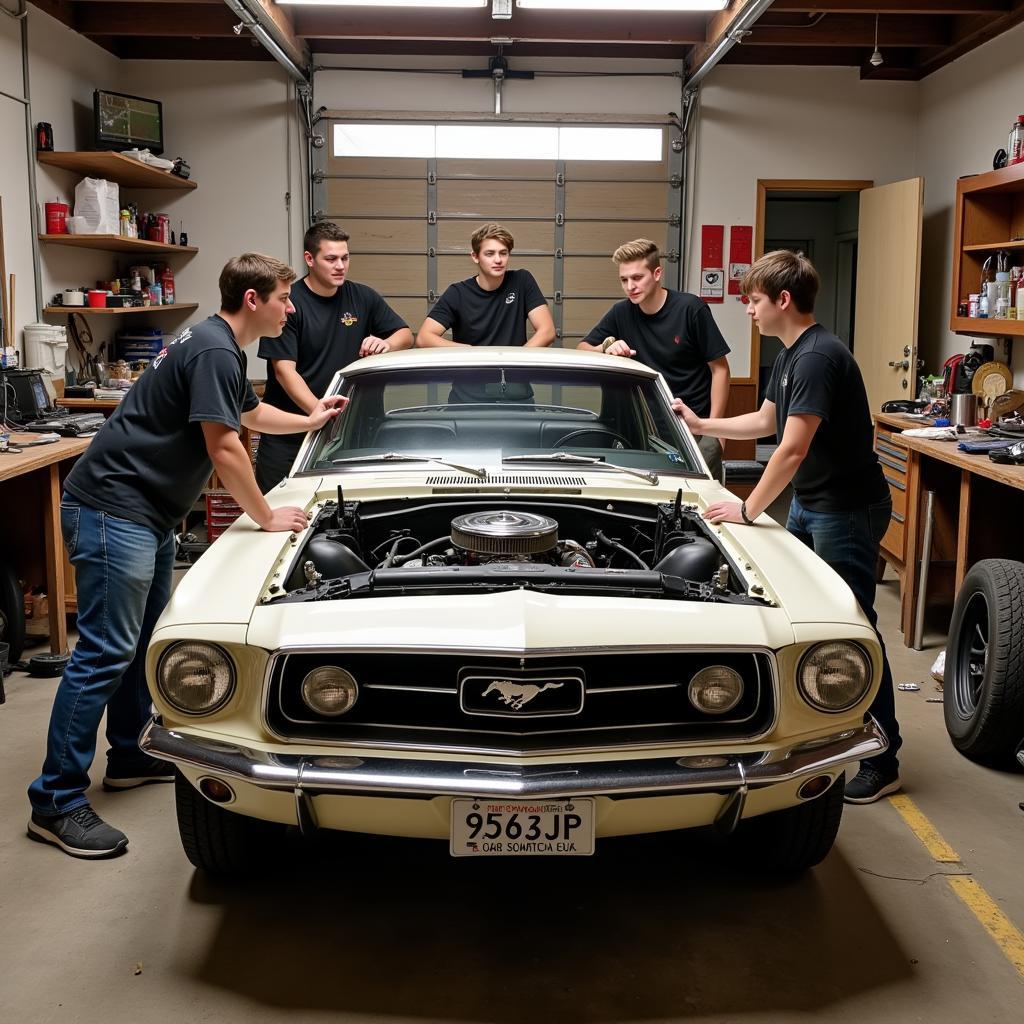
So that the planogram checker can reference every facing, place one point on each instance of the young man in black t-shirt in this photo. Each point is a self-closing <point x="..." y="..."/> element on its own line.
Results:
<point x="817" y="405"/>
<point x="122" y="501"/>
<point x="493" y="307"/>
<point x="672" y="332"/>
<point x="335" y="321"/>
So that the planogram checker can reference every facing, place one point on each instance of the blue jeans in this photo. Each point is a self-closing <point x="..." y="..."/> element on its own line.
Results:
<point x="123" y="576"/>
<point x="849" y="541"/>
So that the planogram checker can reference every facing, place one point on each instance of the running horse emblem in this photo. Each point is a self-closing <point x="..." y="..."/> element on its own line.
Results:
<point x="516" y="695"/>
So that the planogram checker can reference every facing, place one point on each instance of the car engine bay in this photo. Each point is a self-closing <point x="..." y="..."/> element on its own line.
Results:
<point x="473" y="543"/>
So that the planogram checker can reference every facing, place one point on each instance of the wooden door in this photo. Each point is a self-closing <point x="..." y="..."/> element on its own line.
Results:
<point x="888" y="289"/>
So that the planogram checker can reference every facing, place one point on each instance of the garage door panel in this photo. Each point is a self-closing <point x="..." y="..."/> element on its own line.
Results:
<point x="513" y="171"/>
<point x="385" y="236"/>
<point x="580" y="315"/>
<point x="378" y="197"/>
<point x="590" y="275"/>
<point x="458" y="268"/>
<point x="496" y="200"/>
<point x="616" y="170"/>
<point x="539" y="235"/>
<point x="610" y="199"/>
<point x="399" y="275"/>
<point x="598" y="237"/>
<point x="412" y="311"/>
<point x="378" y="167"/>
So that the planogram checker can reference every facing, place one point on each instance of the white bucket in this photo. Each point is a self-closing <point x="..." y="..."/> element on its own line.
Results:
<point x="45" y="348"/>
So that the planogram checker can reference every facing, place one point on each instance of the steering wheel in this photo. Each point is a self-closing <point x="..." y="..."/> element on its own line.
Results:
<point x="603" y="432"/>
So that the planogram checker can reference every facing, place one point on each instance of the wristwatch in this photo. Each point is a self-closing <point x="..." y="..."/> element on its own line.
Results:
<point x="607" y="343"/>
<point x="743" y="514"/>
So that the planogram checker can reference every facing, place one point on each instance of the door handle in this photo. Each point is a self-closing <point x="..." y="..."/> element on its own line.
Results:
<point x="900" y="364"/>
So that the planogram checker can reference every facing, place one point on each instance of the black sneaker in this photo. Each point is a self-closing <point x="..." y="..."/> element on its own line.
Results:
<point x="871" y="784"/>
<point x="81" y="833"/>
<point x="139" y="773"/>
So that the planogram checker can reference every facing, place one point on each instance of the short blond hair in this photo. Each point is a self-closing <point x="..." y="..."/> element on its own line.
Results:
<point x="783" y="271"/>
<point x="251" y="270"/>
<point x="639" y="249"/>
<point x="491" y="230"/>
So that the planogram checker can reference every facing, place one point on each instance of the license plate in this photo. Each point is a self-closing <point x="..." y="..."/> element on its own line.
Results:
<point x="509" y="828"/>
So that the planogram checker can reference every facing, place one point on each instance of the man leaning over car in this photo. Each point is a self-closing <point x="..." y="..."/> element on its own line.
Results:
<point x="122" y="500"/>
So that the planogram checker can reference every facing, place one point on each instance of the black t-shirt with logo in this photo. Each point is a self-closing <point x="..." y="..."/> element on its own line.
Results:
<point x="819" y="377"/>
<point x="149" y="462"/>
<point x="480" y="317"/>
<point x="323" y="335"/>
<point x="678" y="341"/>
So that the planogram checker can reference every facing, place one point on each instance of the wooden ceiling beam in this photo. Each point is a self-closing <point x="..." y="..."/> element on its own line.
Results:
<point x="968" y="33"/>
<point x="836" y="56"/>
<point x="148" y="19"/>
<point x="874" y="7"/>
<point x="484" y="48"/>
<point x="283" y="31"/>
<point x="152" y="48"/>
<point x="526" y="24"/>
<point x="848" y="30"/>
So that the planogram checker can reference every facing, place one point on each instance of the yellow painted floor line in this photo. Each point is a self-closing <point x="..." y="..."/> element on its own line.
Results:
<point x="924" y="830"/>
<point x="1006" y="935"/>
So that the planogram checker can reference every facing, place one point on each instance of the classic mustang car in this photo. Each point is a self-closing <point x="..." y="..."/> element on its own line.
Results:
<point x="508" y="627"/>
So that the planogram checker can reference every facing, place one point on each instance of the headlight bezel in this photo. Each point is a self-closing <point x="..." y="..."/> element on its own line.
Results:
<point x="177" y="705"/>
<point x="802" y="667"/>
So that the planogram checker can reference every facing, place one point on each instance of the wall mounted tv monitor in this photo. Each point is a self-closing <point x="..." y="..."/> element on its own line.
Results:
<point x="128" y="122"/>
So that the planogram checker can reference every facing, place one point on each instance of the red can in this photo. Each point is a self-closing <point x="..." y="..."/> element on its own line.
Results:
<point x="57" y="217"/>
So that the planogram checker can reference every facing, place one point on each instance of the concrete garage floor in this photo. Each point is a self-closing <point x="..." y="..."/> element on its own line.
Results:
<point x="652" y="929"/>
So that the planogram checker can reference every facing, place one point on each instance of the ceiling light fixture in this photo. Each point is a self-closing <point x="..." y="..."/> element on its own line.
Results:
<point x="625" y="5"/>
<point x="388" y="3"/>
<point x="876" y="59"/>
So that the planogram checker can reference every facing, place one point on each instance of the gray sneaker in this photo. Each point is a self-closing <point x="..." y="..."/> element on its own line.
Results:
<point x="80" y="833"/>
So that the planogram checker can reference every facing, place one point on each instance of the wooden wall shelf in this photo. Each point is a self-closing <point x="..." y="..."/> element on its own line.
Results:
<point x="117" y="243"/>
<point x="176" y="307"/>
<point x="115" y="167"/>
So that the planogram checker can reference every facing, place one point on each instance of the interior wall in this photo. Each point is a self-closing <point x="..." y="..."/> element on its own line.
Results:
<point x="966" y="110"/>
<point x="789" y="123"/>
<point x="64" y="68"/>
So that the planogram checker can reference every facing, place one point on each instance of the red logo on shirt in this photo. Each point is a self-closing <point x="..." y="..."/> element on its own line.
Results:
<point x="676" y="340"/>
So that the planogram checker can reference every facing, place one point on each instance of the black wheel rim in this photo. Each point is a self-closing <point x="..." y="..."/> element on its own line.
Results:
<point x="972" y="657"/>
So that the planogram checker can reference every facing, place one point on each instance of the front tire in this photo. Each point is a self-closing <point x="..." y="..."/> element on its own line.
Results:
<point x="983" y="687"/>
<point x="795" y="838"/>
<point x="219" y="841"/>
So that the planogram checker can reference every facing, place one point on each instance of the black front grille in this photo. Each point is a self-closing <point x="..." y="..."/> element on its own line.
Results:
<point x="528" y="705"/>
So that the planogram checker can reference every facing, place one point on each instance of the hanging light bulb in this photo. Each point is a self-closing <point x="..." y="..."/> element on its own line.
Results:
<point x="876" y="59"/>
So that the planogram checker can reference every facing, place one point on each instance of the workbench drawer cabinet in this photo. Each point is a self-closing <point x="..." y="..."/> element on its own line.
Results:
<point x="892" y="455"/>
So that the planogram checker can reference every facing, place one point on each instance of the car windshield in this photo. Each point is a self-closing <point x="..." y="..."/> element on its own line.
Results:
<point x="481" y="415"/>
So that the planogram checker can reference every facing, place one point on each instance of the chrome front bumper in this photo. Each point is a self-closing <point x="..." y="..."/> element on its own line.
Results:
<point x="418" y="777"/>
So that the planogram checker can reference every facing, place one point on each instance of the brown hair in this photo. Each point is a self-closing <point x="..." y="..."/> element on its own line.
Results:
<point x="639" y="249"/>
<point x="251" y="270"/>
<point x="784" y="271"/>
<point x="491" y="230"/>
<point x="325" y="231"/>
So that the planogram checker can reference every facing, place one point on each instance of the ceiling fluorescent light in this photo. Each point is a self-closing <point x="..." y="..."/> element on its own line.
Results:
<point x="625" y="5"/>
<point x="387" y="3"/>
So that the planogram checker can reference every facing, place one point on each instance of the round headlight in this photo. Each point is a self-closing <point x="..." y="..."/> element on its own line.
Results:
<point x="716" y="689"/>
<point x="195" y="678"/>
<point x="834" y="676"/>
<point x="330" y="690"/>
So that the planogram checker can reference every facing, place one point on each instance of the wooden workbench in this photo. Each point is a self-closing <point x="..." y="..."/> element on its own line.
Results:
<point x="30" y="490"/>
<point x="978" y="512"/>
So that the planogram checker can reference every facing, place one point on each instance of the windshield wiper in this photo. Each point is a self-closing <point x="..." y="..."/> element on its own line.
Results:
<point x="476" y="471"/>
<point x="584" y="460"/>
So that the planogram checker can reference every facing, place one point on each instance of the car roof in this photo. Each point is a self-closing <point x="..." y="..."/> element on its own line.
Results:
<point x="490" y="355"/>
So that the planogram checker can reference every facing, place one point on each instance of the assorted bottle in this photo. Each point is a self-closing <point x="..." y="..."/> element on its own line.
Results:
<point x="1001" y="296"/>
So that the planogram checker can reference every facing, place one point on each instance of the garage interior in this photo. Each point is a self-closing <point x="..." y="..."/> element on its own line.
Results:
<point x="772" y="116"/>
